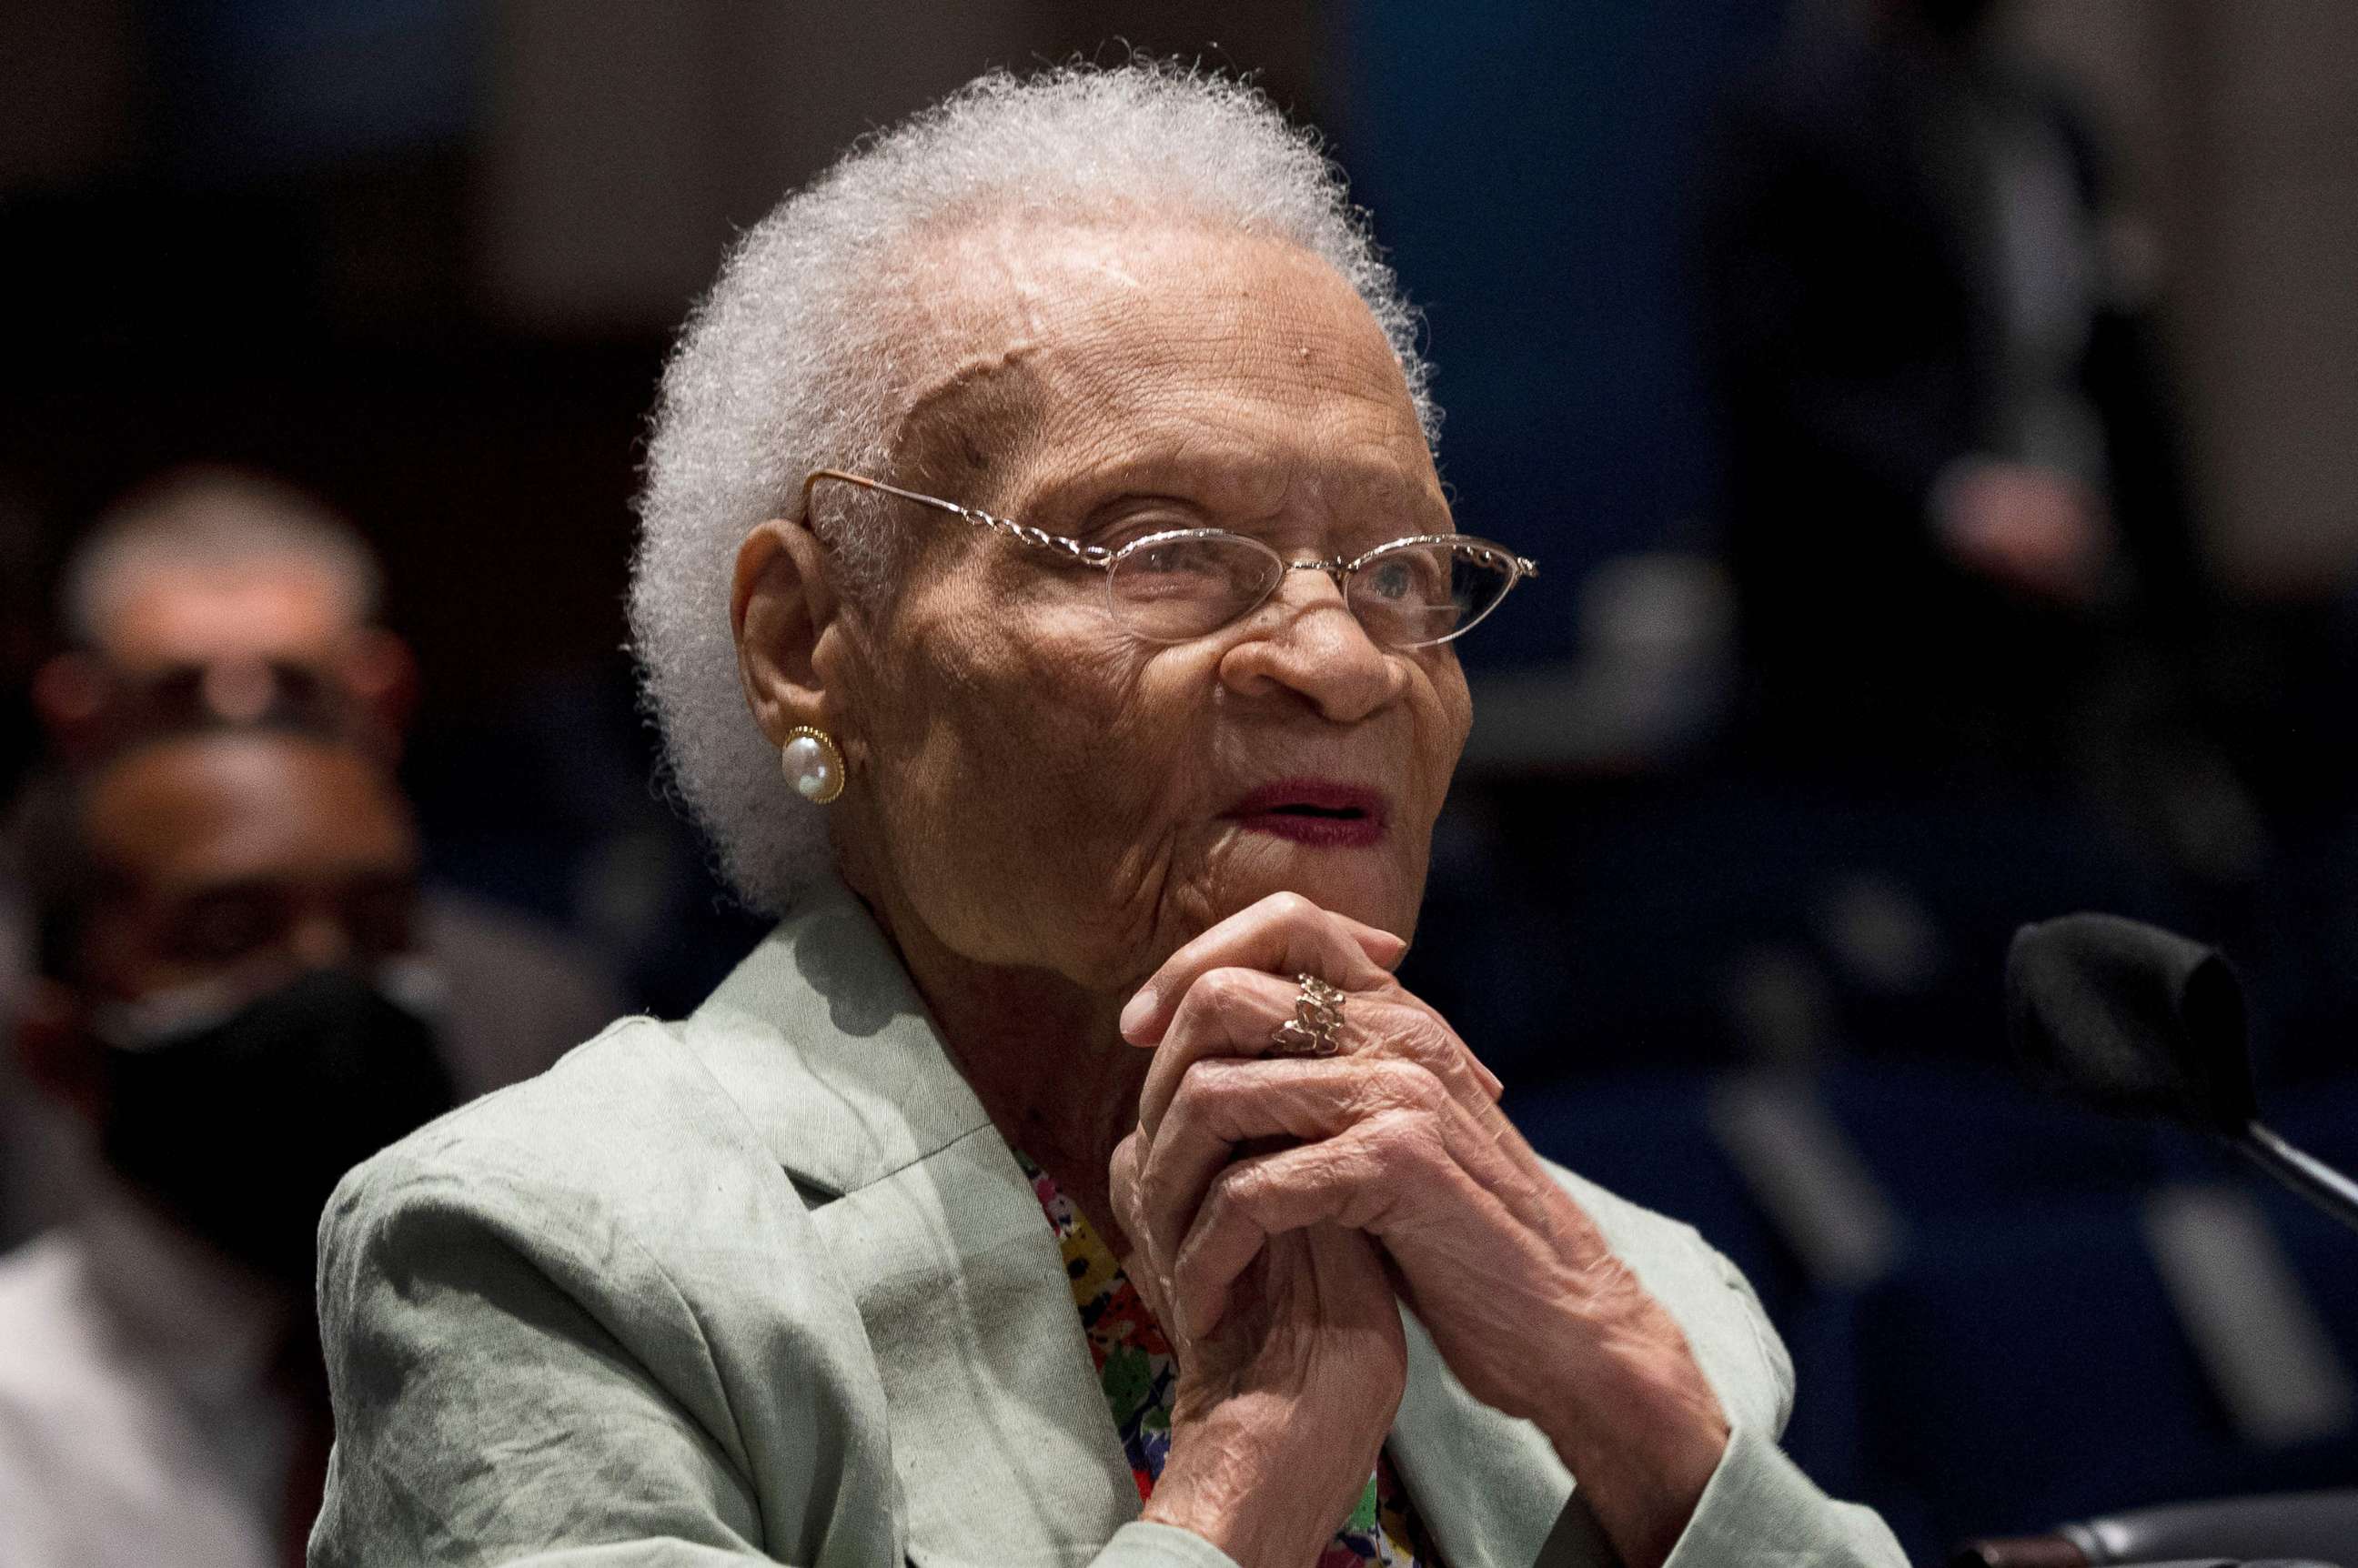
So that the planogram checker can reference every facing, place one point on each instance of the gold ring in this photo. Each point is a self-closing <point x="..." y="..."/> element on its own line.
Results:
<point x="1317" y="1019"/>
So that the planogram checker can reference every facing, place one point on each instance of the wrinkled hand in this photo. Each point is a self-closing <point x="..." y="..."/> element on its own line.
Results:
<point x="1400" y="1138"/>
<point x="1281" y="1412"/>
<point x="2032" y="528"/>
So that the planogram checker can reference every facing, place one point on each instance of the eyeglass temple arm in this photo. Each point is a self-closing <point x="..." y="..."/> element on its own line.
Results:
<point x="1088" y="555"/>
<point x="864" y="482"/>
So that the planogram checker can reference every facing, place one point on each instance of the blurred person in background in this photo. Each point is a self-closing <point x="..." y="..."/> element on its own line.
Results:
<point x="231" y="1004"/>
<point x="216" y="596"/>
<point x="1958" y="527"/>
<point x="1051" y="1185"/>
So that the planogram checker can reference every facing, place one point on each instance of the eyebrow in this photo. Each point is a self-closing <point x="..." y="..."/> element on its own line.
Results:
<point x="1210" y="485"/>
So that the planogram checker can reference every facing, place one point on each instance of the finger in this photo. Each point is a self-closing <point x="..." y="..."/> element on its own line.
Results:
<point x="1223" y="1104"/>
<point x="1226" y="1012"/>
<point x="1287" y="935"/>
<point x="1283" y="934"/>
<point x="1234" y="1012"/>
<point x="1124" y="1173"/>
<point x="1400" y="1024"/>
<point x="1359" y="1180"/>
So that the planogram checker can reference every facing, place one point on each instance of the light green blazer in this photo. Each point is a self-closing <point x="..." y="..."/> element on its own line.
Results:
<point x="766" y="1286"/>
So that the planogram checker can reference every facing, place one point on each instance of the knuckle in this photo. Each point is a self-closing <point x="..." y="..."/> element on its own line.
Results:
<point x="1226" y="990"/>
<point x="1423" y="1143"/>
<point x="1412" y="1032"/>
<point x="1291" y="905"/>
<point x="1398" y="1084"/>
<point x="1420" y="1032"/>
<point x="1199" y="1094"/>
<point x="1409" y="1137"/>
<point x="1240" y="1190"/>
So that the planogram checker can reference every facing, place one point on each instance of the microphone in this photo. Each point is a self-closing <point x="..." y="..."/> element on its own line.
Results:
<point x="2139" y="1022"/>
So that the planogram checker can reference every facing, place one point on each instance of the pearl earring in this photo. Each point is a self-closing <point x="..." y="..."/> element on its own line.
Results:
<point x="813" y="763"/>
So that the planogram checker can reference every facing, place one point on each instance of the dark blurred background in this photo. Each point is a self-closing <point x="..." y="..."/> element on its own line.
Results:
<point x="1762" y="775"/>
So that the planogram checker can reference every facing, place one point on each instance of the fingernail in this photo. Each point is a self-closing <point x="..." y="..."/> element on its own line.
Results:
<point x="1134" y="1016"/>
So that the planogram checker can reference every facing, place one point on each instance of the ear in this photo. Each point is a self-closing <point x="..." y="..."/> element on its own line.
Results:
<point x="780" y="608"/>
<point x="76" y="695"/>
<point x="380" y="675"/>
<point x="54" y="1045"/>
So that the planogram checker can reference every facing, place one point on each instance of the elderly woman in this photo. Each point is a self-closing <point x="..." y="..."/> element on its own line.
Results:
<point x="1049" y="599"/>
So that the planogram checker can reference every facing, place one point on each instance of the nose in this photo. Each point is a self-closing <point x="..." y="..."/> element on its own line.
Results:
<point x="321" y="941"/>
<point x="240" y="690"/>
<point x="1306" y="641"/>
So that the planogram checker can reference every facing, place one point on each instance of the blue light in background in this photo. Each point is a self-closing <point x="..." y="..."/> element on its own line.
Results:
<point x="255" y="87"/>
<point x="1531" y="166"/>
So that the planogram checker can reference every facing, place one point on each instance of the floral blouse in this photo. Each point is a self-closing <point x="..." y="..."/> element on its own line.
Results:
<point x="1135" y="1366"/>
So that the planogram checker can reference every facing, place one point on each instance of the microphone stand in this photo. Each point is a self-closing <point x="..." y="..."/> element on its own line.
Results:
<point x="2313" y="1178"/>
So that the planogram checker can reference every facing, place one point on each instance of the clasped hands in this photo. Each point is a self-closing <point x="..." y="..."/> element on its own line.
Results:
<point x="1277" y="1207"/>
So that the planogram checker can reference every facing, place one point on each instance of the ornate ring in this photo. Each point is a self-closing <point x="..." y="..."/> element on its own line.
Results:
<point x="1317" y="1019"/>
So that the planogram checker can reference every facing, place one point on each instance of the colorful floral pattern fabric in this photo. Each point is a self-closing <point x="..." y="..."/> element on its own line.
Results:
<point x="1140" y="1377"/>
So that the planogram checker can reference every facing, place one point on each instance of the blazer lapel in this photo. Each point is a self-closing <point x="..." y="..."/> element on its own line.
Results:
<point x="1002" y="1447"/>
<point x="1001" y="1441"/>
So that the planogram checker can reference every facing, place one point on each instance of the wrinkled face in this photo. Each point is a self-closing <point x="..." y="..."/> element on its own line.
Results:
<point x="1042" y="787"/>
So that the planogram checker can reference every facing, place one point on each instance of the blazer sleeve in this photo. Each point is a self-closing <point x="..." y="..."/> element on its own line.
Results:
<point x="1758" y="1509"/>
<point x="509" y="1388"/>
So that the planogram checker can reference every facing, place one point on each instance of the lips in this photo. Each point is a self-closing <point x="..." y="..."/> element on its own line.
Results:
<point x="1314" y="811"/>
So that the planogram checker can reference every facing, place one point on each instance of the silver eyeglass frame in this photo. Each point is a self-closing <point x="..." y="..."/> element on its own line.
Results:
<point x="1517" y="567"/>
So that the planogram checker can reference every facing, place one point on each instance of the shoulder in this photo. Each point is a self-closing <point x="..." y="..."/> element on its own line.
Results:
<point x="624" y="1177"/>
<point x="616" y="1222"/>
<point x="592" y="1120"/>
<point x="74" y="1415"/>
<point x="46" y="1344"/>
<point x="627" y="1133"/>
<point x="1714" y="1304"/>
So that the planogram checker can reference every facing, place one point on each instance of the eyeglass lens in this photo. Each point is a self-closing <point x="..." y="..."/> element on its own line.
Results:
<point x="1406" y="595"/>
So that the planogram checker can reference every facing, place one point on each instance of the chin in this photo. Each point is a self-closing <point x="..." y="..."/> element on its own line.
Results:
<point x="1371" y="885"/>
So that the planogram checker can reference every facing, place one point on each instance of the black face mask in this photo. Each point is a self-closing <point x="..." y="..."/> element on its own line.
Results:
<point x="242" y="1127"/>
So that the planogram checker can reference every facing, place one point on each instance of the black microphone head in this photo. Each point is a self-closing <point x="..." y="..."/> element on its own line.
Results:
<point x="2131" y="1019"/>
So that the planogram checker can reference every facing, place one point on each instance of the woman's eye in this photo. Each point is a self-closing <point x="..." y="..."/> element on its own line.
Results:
<point x="1180" y="566"/>
<point x="1131" y="529"/>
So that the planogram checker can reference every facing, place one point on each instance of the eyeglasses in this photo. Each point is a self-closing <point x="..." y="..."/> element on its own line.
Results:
<point x="1185" y="583"/>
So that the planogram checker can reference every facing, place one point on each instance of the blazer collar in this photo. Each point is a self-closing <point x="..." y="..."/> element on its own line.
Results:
<point x="866" y="1085"/>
